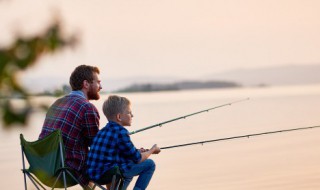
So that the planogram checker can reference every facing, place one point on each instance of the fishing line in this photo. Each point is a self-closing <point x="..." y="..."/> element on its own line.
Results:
<point x="185" y="116"/>
<point x="238" y="137"/>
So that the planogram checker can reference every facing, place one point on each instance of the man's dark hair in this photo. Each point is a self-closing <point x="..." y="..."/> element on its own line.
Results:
<point x="80" y="74"/>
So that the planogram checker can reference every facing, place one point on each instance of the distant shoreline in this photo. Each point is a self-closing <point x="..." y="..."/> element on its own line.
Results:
<point x="184" y="85"/>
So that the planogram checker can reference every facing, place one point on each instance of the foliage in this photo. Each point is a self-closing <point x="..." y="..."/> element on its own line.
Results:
<point x="22" y="54"/>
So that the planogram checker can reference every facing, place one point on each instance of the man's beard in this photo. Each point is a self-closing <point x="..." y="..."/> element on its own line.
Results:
<point x="93" y="95"/>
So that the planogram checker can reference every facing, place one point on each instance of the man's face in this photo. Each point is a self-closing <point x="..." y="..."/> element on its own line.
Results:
<point x="94" y="88"/>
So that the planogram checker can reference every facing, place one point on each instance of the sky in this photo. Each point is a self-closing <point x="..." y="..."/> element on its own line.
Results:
<point x="169" y="38"/>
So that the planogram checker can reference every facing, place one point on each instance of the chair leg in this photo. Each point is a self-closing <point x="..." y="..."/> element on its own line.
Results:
<point x="113" y="182"/>
<point x="26" y="173"/>
<point x="100" y="186"/>
<point x="35" y="181"/>
<point x="119" y="184"/>
<point x="55" y="182"/>
<point x="62" y="162"/>
<point x="25" y="181"/>
<point x="24" y="168"/>
<point x="64" y="180"/>
<point x="75" y="179"/>
<point x="114" y="185"/>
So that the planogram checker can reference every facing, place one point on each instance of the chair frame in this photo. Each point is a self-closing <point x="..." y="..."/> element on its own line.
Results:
<point x="115" y="185"/>
<point x="64" y="171"/>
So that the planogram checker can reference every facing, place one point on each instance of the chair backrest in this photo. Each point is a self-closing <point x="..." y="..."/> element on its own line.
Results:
<point x="45" y="159"/>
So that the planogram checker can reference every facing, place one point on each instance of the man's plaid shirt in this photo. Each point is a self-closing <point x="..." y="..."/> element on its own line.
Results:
<point x="111" y="147"/>
<point x="78" y="121"/>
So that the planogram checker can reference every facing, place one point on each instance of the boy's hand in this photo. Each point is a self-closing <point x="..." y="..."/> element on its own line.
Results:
<point x="143" y="150"/>
<point x="155" y="149"/>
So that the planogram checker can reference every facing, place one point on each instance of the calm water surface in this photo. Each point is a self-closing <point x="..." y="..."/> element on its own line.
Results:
<point x="272" y="162"/>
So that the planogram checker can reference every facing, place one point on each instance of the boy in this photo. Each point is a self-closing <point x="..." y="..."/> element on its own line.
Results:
<point x="112" y="147"/>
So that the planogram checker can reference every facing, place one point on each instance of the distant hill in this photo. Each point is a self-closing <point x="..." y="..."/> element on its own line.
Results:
<point x="283" y="75"/>
<point x="148" y="87"/>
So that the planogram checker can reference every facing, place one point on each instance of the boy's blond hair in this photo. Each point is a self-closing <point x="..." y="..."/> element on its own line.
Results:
<point x="114" y="105"/>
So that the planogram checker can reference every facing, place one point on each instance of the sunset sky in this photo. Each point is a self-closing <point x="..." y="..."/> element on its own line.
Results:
<point x="170" y="38"/>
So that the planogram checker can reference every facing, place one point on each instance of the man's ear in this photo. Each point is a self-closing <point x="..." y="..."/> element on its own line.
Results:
<point x="85" y="84"/>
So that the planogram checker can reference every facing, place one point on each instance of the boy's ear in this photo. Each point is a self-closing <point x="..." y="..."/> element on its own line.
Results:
<point x="118" y="117"/>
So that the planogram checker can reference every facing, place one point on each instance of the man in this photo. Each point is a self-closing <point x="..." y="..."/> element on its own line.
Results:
<point x="77" y="118"/>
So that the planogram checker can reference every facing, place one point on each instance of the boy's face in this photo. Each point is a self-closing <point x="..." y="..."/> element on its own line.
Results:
<point x="125" y="118"/>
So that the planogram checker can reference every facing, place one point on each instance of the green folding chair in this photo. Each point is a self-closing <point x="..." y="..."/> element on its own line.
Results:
<point x="46" y="164"/>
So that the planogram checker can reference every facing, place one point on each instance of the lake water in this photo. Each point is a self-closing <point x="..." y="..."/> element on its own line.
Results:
<point x="272" y="162"/>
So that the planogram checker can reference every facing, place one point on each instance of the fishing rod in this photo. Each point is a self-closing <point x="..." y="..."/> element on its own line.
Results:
<point x="238" y="137"/>
<point x="185" y="116"/>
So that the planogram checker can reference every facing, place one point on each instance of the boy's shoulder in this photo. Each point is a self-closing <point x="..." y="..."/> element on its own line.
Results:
<point x="113" y="130"/>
